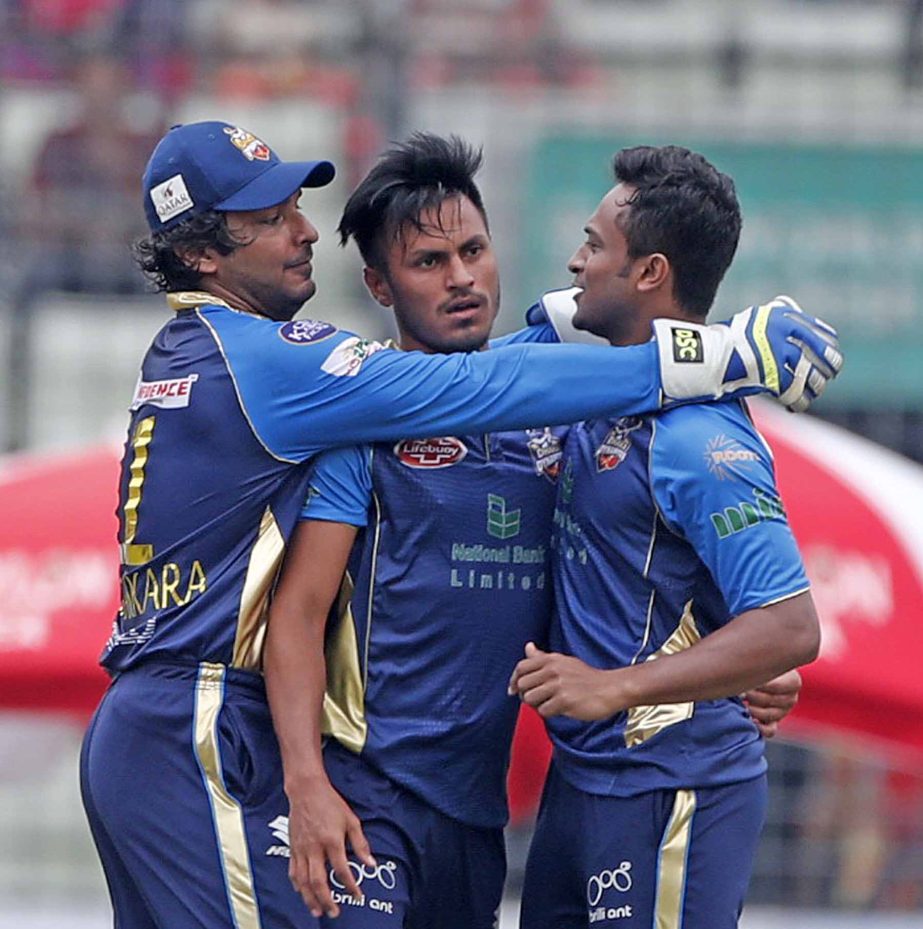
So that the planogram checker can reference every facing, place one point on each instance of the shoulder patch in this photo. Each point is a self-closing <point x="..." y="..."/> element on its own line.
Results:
<point x="725" y="457"/>
<point x="431" y="453"/>
<point x="348" y="357"/>
<point x="168" y="395"/>
<point x="306" y="331"/>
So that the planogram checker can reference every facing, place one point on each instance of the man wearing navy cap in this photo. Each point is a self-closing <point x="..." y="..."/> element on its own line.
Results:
<point x="180" y="770"/>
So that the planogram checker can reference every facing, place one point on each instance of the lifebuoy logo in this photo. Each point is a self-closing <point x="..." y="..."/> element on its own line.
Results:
<point x="431" y="453"/>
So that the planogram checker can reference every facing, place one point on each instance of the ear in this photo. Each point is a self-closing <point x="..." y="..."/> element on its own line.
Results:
<point x="201" y="260"/>
<point x="654" y="272"/>
<point x="378" y="286"/>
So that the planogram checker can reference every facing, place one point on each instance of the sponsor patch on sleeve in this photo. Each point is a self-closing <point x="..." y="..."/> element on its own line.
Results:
<point x="306" y="331"/>
<point x="168" y="395"/>
<point x="727" y="458"/>
<point x="349" y="356"/>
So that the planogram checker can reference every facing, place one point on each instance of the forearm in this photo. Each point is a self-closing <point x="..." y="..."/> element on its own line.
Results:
<point x="753" y="648"/>
<point x="295" y="673"/>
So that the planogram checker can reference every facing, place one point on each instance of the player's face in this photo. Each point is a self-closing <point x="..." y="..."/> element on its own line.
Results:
<point x="443" y="281"/>
<point x="608" y="303"/>
<point x="271" y="273"/>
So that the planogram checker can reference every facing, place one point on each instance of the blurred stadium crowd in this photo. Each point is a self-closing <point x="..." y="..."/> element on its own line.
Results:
<point x="814" y="106"/>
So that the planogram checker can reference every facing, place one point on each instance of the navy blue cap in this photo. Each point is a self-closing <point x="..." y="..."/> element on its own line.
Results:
<point x="216" y="166"/>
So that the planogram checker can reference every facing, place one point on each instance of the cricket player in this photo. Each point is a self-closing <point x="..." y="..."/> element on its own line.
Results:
<point x="447" y="581"/>
<point x="677" y="582"/>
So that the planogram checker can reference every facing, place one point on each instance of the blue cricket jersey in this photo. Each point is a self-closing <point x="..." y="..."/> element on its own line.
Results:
<point x="448" y="580"/>
<point x="666" y="527"/>
<point x="229" y="411"/>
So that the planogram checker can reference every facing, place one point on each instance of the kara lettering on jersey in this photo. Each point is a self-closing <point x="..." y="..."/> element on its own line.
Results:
<point x="431" y="453"/>
<point x="726" y="457"/>
<point x="171" y="198"/>
<point x="169" y="395"/>
<point x="149" y="589"/>
<point x="545" y="448"/>
<point x="306" y="331"/>
<point x="745" y="515"/>
<point x="617" y="443"/>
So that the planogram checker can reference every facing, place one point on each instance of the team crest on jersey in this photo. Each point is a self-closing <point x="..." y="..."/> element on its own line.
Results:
<point x="306" y="331"/>
<point x="252" y="148"/>
<point x="431" y="453"/>
<point x="545" y="449"/>
<point x="616" y="444"/>
<point x="168" y="395"/>
<point x="349" y="356"/>
<point x="726" y="457"/>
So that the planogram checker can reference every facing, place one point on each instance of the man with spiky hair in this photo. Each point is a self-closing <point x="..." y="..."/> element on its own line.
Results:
<point x="446" y="546"/>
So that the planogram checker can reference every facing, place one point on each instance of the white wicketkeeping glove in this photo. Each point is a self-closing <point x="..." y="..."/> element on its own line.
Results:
<point x="775" y="348"/>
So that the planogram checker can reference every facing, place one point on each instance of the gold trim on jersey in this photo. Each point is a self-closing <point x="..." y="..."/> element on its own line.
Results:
<point x="262" y="570"/>
<point x="344" y="702"/>
<point x="134" y="553"/>
<point x="228" y="818"/>
<point x="672" y="862"/>
<point x="231" y="375"/>
<point x="644" y="722"/>
<point x="189" y="299"/>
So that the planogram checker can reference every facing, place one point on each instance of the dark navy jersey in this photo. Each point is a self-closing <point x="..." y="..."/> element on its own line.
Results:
<point x="448" y="580"/>
<point x="666" y="527"/>
<point x="229" y="410"/>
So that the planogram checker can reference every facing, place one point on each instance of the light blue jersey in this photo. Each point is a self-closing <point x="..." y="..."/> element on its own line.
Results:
<point x="666" y="527"/>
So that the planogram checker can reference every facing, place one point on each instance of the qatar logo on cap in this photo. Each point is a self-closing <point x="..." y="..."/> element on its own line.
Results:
<point x="252" y="148"/>
<point x="171" y="198"/>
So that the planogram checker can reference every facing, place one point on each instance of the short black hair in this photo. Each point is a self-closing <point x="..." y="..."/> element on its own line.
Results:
<point x="684" y="208"/>
<point x="410" y="177"/>
<point x="157" y="255"/>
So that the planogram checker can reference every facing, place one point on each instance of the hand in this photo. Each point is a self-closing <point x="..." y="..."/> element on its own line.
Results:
<point x="775" y="348"/>
<point x="559" y="685"/>
<point x="320" y="824"/>
<point x="773" y="701"/>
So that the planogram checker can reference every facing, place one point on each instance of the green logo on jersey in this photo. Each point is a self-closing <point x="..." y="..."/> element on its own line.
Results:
<point x="502" y="523"/>
<point x="733" y="519"/>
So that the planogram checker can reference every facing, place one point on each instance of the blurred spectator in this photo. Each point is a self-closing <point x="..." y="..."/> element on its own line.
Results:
<point x="82" y="206"/>
<point x="845" y="832"/>
<point x="78" y="215"/>
<point x="278" y="48"/>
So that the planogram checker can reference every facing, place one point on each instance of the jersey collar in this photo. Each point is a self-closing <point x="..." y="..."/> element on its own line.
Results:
<point x="189" y="299"/>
